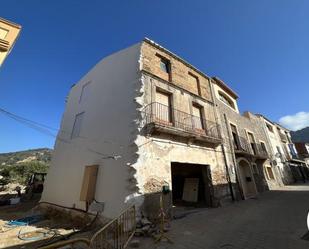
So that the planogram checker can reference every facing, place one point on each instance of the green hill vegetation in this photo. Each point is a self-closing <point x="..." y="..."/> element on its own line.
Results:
<point x="16" y="167"/>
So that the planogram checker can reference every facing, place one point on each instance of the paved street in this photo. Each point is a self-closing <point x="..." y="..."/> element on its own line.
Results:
<point x="276" y="219"/>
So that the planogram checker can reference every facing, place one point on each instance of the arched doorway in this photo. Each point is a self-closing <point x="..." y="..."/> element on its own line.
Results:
<point x="247" y="179"/>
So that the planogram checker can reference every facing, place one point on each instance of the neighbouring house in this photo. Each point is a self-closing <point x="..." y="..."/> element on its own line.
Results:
<point x="8" y="35"/>
<point x="245" y="144"/>
<point x="155" y="114"/>
<point x="143" y="120"/>
<point x="284" y="155"/>
<point x="303" y="151"/>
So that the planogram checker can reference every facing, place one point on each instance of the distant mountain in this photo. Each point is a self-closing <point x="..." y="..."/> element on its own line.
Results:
<point x="42" y="155"/>
<point x="301" y="135"/>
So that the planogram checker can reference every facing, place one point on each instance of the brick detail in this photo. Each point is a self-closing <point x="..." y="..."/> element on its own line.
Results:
<point x="180" y="72"/>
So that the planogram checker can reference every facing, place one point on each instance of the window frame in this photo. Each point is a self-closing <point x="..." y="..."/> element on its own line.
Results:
<point x="170" y="103"/>
<point x="83" y="91"/>
<point x="198" y="85"/>
<point x="73" y="135"/>
<point x="237" y="133"/>
<point x="263" y="147"/>
<point x="270" y="127"/>
<point x="255" y="152"/>
<point x="202" y="115"/>
<point x="226" y="100"/>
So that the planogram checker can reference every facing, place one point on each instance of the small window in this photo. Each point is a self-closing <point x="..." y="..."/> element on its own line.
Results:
<point x="252" y="142"/>
<point x="85" y="94"/>
<point x="270" y="128"/>
<point x="263" y="146"/>
<point x="195" y="83"/>
<point x="270" y="173"/>
<point x="165" y="65"/>
<point x="226" y="100"/>
<point x="77" y="125"/>
<point x="198" y="120"/>
<point x="236" y="140"/>
<point x="288" y="137"/>
<point x="163" y="109"/>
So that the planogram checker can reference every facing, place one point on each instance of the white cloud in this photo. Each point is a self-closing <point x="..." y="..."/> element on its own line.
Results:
<point x="295" y="122"/>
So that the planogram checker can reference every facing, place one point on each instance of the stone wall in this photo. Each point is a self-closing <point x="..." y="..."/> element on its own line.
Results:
<point x="245" y="123"/>
<point x="181" y="73"/>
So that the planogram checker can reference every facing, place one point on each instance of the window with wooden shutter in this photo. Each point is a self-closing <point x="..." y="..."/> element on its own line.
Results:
<point x="197" y="117"/>
<point x="163" y="107"/>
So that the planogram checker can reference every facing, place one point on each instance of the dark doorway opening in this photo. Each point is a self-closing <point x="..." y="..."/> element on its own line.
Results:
<point x="191" y="185"/>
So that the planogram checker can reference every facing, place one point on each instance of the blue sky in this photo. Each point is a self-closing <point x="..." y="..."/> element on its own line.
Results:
<point x="259" y="48"/>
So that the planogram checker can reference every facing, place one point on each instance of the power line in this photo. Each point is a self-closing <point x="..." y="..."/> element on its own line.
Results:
<point x="26" y="120"/>
<point x="45" y="129"/>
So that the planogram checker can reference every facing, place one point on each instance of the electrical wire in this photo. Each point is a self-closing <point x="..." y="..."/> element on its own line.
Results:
<point x="44" y="129"/>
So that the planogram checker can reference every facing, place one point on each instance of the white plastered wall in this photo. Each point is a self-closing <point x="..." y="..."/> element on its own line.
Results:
<point x="108" y="128"/>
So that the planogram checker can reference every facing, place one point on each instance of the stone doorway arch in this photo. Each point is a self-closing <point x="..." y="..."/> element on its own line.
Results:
<point x="246" y="178"/>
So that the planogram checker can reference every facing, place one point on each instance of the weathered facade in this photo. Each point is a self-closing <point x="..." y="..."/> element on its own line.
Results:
<point x="303" y="151"/>
<point x="143" y="120"/>
<point x="245" y="143"/>
<point x="283" y="152"/>
<point x="8" y="34"/>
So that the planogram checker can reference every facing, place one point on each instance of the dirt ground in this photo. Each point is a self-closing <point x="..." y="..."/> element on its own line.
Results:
<point x="31" y="236"/>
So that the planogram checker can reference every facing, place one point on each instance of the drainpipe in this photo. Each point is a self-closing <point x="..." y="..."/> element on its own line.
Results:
<point x="222" y="146"/>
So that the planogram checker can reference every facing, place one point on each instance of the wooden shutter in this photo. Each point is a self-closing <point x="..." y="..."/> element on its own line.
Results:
<point x="197" y="119"/>
<point x="87" y="192"/>
<point x="163" y="107"/>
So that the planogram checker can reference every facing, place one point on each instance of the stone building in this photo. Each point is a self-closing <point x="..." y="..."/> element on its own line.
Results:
<point x="143" y="120"/>
<point x="245" y="144"/>
<point x="155" y="114"/>
<point x="303" y="151"/>
<point x="283" y="152"/>
<point x="8" y="35"/>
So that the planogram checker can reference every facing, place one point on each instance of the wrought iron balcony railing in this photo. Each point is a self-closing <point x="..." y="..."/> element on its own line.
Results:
<point x="177" y="122"/>
<point x="242" y="145"/>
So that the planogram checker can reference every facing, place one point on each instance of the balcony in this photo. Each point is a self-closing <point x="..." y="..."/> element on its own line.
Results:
<point x="159" y="118"/>
<point x="4" y="45"/>
<point x="283" y="137"/>
<point x="242" y="146"/>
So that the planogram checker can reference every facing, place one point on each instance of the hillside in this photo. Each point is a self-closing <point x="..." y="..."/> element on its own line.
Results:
<point x="14" y="158"/>
<point x="300" y="135"/>
<point x="17" y="167"/>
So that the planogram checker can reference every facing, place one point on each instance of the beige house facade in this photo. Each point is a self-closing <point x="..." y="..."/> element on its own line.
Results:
<point x="155" y="114"/>
<point x="144" y="120"/>
<point x="284" y="155"/>
<point x="9" y="33"/>
<point x="245" y="143"/>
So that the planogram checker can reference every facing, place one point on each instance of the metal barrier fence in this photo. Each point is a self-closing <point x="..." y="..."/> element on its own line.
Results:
<point x="114" y="235"/>
<point x="117" y="233"/>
